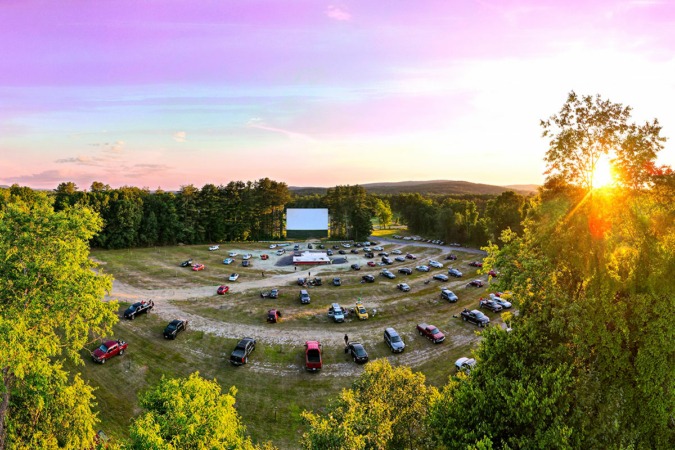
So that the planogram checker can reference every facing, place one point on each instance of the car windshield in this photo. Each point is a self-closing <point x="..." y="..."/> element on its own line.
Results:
<point x="103" y="348"/>
<point x="396" y="338"/>
<point x="171" y="326"/>
<point x="435" y="331"/>
<point x="360" y="351"/>
<point x="480" y="315"/>
<point x="362" y="310"/>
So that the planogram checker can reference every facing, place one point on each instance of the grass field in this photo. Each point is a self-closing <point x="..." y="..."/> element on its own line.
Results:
<point x="273" y="389"/>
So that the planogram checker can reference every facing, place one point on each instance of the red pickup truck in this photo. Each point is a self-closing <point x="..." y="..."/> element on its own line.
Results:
<point x="313" y="360"/>
<point x="431" y="332"/>
<point x="108" y="349"/>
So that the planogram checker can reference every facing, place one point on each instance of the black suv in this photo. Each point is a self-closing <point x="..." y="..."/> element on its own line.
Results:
<point x="336" y="281"/>
<point x="405" y="270"/>
<point x="368" y="278"/>
<point x="186" y="263"/>
<point x="240" y="353"/>
<point x="357" y="352"/>
<point x="174" y="327"/>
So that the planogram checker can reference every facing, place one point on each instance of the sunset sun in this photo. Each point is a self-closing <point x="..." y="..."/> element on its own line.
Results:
<point x="602" y="174"/>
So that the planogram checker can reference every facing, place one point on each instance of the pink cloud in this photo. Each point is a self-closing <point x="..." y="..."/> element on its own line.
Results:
<point x="337" y="13"/>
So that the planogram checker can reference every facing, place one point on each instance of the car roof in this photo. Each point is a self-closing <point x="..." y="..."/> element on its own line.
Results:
<point x="391" y="331"/>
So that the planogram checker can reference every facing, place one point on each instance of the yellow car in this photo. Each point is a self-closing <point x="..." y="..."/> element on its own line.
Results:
<point x="361" y="311"/>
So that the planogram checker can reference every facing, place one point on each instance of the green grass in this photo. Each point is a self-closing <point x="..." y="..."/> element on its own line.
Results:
<point x="270" y="403"/>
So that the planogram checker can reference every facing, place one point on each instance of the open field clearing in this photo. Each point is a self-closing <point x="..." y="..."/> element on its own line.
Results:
<point x="273" y="389"/>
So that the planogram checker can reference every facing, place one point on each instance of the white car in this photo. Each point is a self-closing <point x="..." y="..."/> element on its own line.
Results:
<point x="396" y="252"/>
<point x="273" y="245"/>
<point x="378" y="248"/>
<point x="435" y="264"/>
<point x="465" y="364"/>
<point x="233" y="254"/>
<point x="214" y="247"/>
<point x="228" y="261"/>
<point x="403" y="286"/>
<point x="247" y="256"/>
<point x="234" y="277"/>
<point x="346" y="245"/>
<point x="500" y="301"/>
<point x="422" y="268"/>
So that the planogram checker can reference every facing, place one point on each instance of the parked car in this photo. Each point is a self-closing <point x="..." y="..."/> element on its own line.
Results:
<point x="388" y="274"/>
<point x="501" y="301"/>
<point x="198" y="267"/>
<point x="455" y="273"/>
<point x="476" y="264"/>
<point x="337" y="281"/>
<point x="247" y="256"/>
<point x="435" y="264"/>
<point x="451" y="257"/>
<point x="214" y="247"/>
<point x="490" y="304"/>
<point x="361" y="311"/>
<point x="222" y="289"/>
<point x="405" y="270"/>
<point x="357" y="352"/>
<point x="313" y="361"/>
<point x="273" y="315"/>
<point x="174" y="327"/>
<point x="342" y="252"/>
<point x="329" y="252"/>
<point x="138" y="308"/>
<point x="242" y="351"/>
<point x="430" y="332"/>
<point x="246" y="263"/>
<point x="399" y="259"/>
<point x="396" y="252"/>
<point x="369" y="255"/>
<point x="355" y="251"/>
<point x="232" y="254"/>
<point x="448" y="295"/>
<point x="476" y="283"/>
<point x="440" y="277"/>
<point x="371" y="264"/>
<point x="493" y="274"/>
<point x="403" y="286"/>
<point x="465" y="364"/>
<point x="108" y="349"/>
<point x="273" y="245"/>
<point x="280" y="252"/>
<point x="393" y="340"/>
<point x="264" y="256"/>
<point x="410" y="256"/>
<point x="387" y="260"/>
<point x="304" y="297"/>
<point x="234" y="277"/>
<point x="228" y="261"/>
<point x="378" y="248"/>
<point x="475" y="317"/>
<point x="355" y="267"/>
<point x="368" y="278"/>
<point x="336" y="313"/>
<point x="186" y="263"/>
<point x="383" y="254"/>
<point x="422" y="268"/>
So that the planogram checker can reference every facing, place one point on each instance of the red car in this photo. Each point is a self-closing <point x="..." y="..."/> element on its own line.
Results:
<point x="264" y="257"/>
<point x="108" y="349"/>
<point x="493" y="274"/>
<point x="476" y="264"/>
<point x="410" y="256"/>
<point x="223" y="289"/>
<point x="197" y="267"/>
<point x="476" y="283"/>
<point x="371" y="264"/>
<point x="313" y="360"/>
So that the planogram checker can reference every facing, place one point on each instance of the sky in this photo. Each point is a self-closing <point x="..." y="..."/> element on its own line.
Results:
<point x="314" y="93"/>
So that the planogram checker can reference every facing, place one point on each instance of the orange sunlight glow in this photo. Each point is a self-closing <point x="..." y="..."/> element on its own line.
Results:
<point x="603" y="174"/>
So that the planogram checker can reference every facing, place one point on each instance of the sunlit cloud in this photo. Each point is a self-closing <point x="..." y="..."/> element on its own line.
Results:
<point x="260" y="125"/>
<point x="337" y="13"/>
<point x="180" y="136"/>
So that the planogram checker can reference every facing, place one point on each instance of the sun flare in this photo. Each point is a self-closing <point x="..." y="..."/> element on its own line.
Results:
<point x="602" y="175"/>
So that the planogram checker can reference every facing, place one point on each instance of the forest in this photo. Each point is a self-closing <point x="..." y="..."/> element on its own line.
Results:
<point x="587" y="362"/>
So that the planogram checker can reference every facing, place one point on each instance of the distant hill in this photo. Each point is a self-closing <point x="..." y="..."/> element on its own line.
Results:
<point x="427" y="187"/>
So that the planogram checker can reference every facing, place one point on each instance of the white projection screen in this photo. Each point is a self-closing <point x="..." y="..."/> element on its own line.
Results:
<point x="306" y="222"/>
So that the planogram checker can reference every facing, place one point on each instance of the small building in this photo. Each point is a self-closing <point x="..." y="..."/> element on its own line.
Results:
<point x="308" y="258"/>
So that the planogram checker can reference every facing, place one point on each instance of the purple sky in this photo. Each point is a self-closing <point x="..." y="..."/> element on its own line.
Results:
<point x="310" y="92"/>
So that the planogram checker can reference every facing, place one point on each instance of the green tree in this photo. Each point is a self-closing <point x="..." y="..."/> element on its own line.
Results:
<point x="588" y="128"/>
<point x="386" y="408"/>
<point x="51" y="306"/>
<point x="188" y="413"/>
